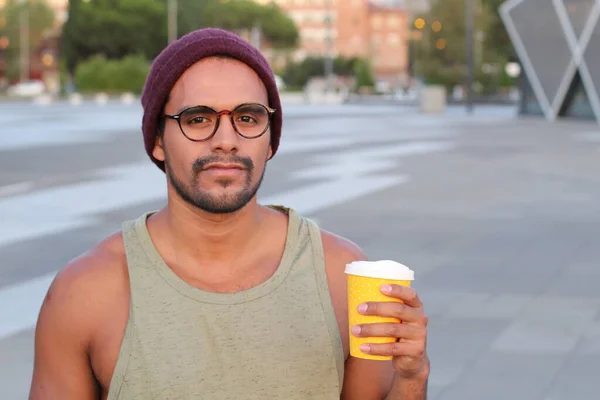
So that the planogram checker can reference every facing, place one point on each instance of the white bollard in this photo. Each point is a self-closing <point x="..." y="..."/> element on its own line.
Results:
<point x="101" y="99"/>
<point x="127" y="98"/>
<point x="43" y="100"/>
<point x="75" y="99"/>
<point x="433" y="99"/>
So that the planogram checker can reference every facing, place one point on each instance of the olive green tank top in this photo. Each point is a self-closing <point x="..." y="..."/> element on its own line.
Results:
<point x="278" y="340"/>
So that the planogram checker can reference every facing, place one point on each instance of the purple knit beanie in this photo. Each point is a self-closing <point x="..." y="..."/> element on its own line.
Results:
<point x="178" y="56"/>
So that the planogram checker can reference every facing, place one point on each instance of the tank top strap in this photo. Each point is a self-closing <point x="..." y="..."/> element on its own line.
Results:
<point x="136" y="260"/>
<point x="135" y="248"/>
<point x="325" y="295"/>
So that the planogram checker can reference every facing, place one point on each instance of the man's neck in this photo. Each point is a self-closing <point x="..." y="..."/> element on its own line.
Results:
<point x="206" y="237"/>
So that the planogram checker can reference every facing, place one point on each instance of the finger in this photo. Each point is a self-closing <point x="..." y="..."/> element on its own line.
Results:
<point x="415" y="349"/>
<point x="394" y="309"/>
<point x="407" y="294"/>
<point x="395" y="330"/>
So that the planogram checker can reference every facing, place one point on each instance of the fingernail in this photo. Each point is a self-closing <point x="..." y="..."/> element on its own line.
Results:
<point x="362" y="308"/>
<point x="365" y="348"/>
<point x="356" y="330"/>
<point x="386" y="289"/>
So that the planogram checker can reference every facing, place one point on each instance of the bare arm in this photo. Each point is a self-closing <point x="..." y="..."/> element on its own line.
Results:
<point x="61" y="365"/>
<point x="363" y="379"/>
<point x="375" y="380"/>
<point x="410" y="389"/>
<point x="368" y="379"/>
<point x="410" y="362"/>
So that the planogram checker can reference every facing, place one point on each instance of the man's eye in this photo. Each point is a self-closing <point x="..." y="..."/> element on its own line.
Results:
<point x="246" y="119"/>
<point x="197" y="120"/>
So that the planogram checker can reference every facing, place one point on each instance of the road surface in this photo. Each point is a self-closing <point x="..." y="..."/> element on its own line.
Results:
<point x="498" y="216"/>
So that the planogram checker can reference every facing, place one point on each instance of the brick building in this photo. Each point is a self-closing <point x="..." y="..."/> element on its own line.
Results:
<point x="364" y="28"/>
<point x="389" y="37"/>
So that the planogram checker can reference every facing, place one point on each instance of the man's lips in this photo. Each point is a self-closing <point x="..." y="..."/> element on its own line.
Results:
<point x="224" y="167"/>
<point x="230" y="170"/>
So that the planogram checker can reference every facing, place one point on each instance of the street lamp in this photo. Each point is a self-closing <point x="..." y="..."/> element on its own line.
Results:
<point x="172" y="20"/>
<point x="469" y="28"/>
<point x="420" y="23"/>
<point x="512" y="69"/>
<point x="329" y="51"/>
<point x="24" y="37"/>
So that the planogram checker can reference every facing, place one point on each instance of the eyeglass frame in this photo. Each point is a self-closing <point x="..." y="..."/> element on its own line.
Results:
<point x="177" y="117"/>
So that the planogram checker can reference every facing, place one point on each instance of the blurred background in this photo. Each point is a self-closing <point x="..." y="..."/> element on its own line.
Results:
<point x="459" y="137"/>
<point x="382" y="47"/>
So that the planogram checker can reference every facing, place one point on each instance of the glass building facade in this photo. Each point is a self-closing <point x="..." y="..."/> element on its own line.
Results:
<point x="558" y="44"/>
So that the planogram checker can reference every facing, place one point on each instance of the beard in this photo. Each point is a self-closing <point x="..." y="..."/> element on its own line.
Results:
<point x="194" y="195"/>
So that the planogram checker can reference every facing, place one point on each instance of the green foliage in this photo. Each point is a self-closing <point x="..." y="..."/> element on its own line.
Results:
<point x="345" y="66"/>
<point x="114" y="29"/>
<point x="296" y="75"/>
<point x="364" y="75"/>
<point x="279" y="29"/>
<point x="239" y="15"/>
<point x="41" y="19"/>
<point x="114" y="76"/>
<point x="447" y="65"/>
<point x="497" y="36"/>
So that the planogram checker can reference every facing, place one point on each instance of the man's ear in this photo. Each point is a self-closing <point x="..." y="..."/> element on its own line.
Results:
<point x="270" y="154"/>
<point x="159" y="152"/>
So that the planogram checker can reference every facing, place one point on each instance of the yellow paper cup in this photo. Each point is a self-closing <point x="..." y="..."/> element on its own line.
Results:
<point x="365" y="279"/>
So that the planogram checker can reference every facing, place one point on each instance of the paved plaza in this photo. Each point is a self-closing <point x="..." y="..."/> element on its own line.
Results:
<point x="498" y="215"/>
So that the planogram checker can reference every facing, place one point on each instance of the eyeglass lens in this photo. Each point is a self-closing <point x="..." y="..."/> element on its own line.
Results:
<point x="249" y="120"/>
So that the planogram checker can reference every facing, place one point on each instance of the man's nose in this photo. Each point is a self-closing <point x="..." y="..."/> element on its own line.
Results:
<point x="226" y="137"/>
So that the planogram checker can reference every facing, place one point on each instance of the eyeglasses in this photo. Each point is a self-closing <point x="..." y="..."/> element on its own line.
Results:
<point x="200" y="123"/>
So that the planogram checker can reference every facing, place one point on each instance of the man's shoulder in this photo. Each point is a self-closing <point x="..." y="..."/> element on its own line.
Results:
<point x="340" y="250"/>
<point x="81" y="291"/>
<point x="83" y="302"/>
<point x="97" y="265"/>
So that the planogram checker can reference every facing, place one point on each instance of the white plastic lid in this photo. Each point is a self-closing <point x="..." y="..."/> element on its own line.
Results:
<point x="384" y="269"/>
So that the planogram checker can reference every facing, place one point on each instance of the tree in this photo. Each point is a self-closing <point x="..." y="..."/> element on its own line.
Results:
<point x="279" y="29"/>
<point x="364" y="75"/>
<point x="297" y="75"/>
<point x="113" y="76"/>
<point x="239" y="16"/>
<point x="41" y="20"/>
<point x="117" y="28"/>
<point x="114" y="29"/>
<point x="440" y="49"/>
<point x="496" y="35"/>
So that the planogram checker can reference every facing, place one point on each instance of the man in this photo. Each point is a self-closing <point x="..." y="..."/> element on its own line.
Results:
<point x="216" y="296"/>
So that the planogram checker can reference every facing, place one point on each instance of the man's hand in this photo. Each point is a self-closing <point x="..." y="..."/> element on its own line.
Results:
<point x="409" y="351"/>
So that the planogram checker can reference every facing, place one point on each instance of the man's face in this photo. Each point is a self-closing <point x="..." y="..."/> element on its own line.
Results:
<point x="222" y="174"/>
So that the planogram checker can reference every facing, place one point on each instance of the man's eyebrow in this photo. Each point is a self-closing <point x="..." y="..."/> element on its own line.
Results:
<point x="185" y="108"/>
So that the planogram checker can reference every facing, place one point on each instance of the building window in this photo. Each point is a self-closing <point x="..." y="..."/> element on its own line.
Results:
<point x="329" y="15"/>
<point x="376" y="22"/>
<point x="393" y="21"/>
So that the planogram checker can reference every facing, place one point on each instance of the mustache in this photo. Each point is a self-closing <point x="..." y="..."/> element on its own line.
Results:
<point x="202" y="162"/>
